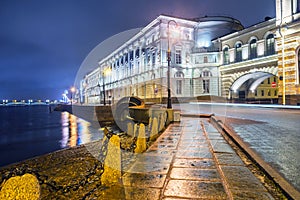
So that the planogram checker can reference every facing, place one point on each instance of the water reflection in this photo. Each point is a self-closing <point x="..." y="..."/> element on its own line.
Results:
<point x="76" y="131"/>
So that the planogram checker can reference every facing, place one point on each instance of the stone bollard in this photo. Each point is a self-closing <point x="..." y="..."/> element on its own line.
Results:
<point x="135" y="130"/>
<point x="130" y="129"/>
<point x="154" y="129"/>
<point x="141" y="145"/>
<point x="162" y="120"/>
<point x="150" y="124"/>
<point x="112" y="162"/>
<point x="21" y="187"/>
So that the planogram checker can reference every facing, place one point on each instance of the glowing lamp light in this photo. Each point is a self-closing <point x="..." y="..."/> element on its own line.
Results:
<point x="73" y="89"/>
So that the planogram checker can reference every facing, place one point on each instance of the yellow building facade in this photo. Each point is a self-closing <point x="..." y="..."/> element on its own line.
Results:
<point x="288" y="43"/>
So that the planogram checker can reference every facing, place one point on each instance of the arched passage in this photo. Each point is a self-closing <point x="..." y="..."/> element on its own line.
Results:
<point x="255" y="86"/>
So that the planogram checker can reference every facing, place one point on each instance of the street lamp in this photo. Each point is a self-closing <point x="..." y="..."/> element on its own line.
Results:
<point x="169" y="104"/>
<point x="72" y="91"/>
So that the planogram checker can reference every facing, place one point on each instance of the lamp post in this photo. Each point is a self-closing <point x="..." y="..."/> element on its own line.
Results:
<point x="72" y="91"/>
<point x="169" y="103"/>
<point x="104" y="103"/>
<point x="99" y="91"/>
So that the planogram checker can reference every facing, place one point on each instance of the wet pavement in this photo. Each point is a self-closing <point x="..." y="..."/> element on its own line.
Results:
<point x="189" y="163"/>
<point x="189" y="160"/>
<point x="273" y="133"/>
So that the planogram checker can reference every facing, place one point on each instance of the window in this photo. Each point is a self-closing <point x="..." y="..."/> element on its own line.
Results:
<point x="148" y="57"/>
<point x="296" y="6"/>
<point x="275" y="92"/>
<point x="205" y="59"/>
<point x="238" y="52"/>
<point x="206" y="86"/>
<point x="153" y="58"/>
<point x="253" y="49"/>
<point x="269" y="80"/>
<point x="206" y="73"/>
<point x="255" y="93"/>
<point x="178" y="56"/>
<point x="262" y="93"/>
<point x="179" y="74"/>
<point x="226" y="55"/>
<point x="206" y="80"/>
<point x="269" y="93"/>
<point x="270" y="45"/>
<point x="298" y="63"/>
<point x="178" y="86"/>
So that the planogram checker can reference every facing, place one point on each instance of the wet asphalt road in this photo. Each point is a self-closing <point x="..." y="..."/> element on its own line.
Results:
<point x="272" y="132"/>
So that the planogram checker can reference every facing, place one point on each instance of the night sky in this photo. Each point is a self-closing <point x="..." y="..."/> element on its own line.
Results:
<point x="44" y="42"/>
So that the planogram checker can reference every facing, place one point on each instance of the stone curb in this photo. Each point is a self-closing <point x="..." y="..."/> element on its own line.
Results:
<point x="197" y="115"/>
<point x="289" y="190"/>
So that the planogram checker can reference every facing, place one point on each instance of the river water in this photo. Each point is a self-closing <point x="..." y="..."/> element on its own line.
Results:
<point x="29" y="131"/>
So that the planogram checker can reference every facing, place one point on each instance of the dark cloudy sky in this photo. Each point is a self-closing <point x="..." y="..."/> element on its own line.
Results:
<point x="44" y="42"/>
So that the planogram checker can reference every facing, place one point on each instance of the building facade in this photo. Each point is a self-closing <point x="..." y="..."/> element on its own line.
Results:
<point x="210" y="56"/>
<point x="139" y="66"/>
<point x="248" y="58"/>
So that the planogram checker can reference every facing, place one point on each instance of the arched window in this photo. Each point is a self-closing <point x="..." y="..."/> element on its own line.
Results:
<point x="179" y="74"/>
<point x="226" y="55"/>
<point x="253" y="49"/>
<point x="206" y="73"/>
<point x="270" y="45"/>
<point x="238" y="52"/>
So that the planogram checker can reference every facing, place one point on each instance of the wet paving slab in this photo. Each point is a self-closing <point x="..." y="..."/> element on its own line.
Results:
<point x="195" y="174"/>
<point x="229" y="159"/>
<point x="195" y="189"/>
<point x="241" y="178"/>
<point x="194" y="163"/>
<point x="144" y="180"/>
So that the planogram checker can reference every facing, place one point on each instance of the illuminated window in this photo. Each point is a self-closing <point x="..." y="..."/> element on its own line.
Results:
<point x="298" y="63"/>
<point x="238" y="52"/>
<point x="178" y="56"/>
<point x="253" y="49"/>
<point x="270" y="45"/>
<point x="226" y="55"/>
